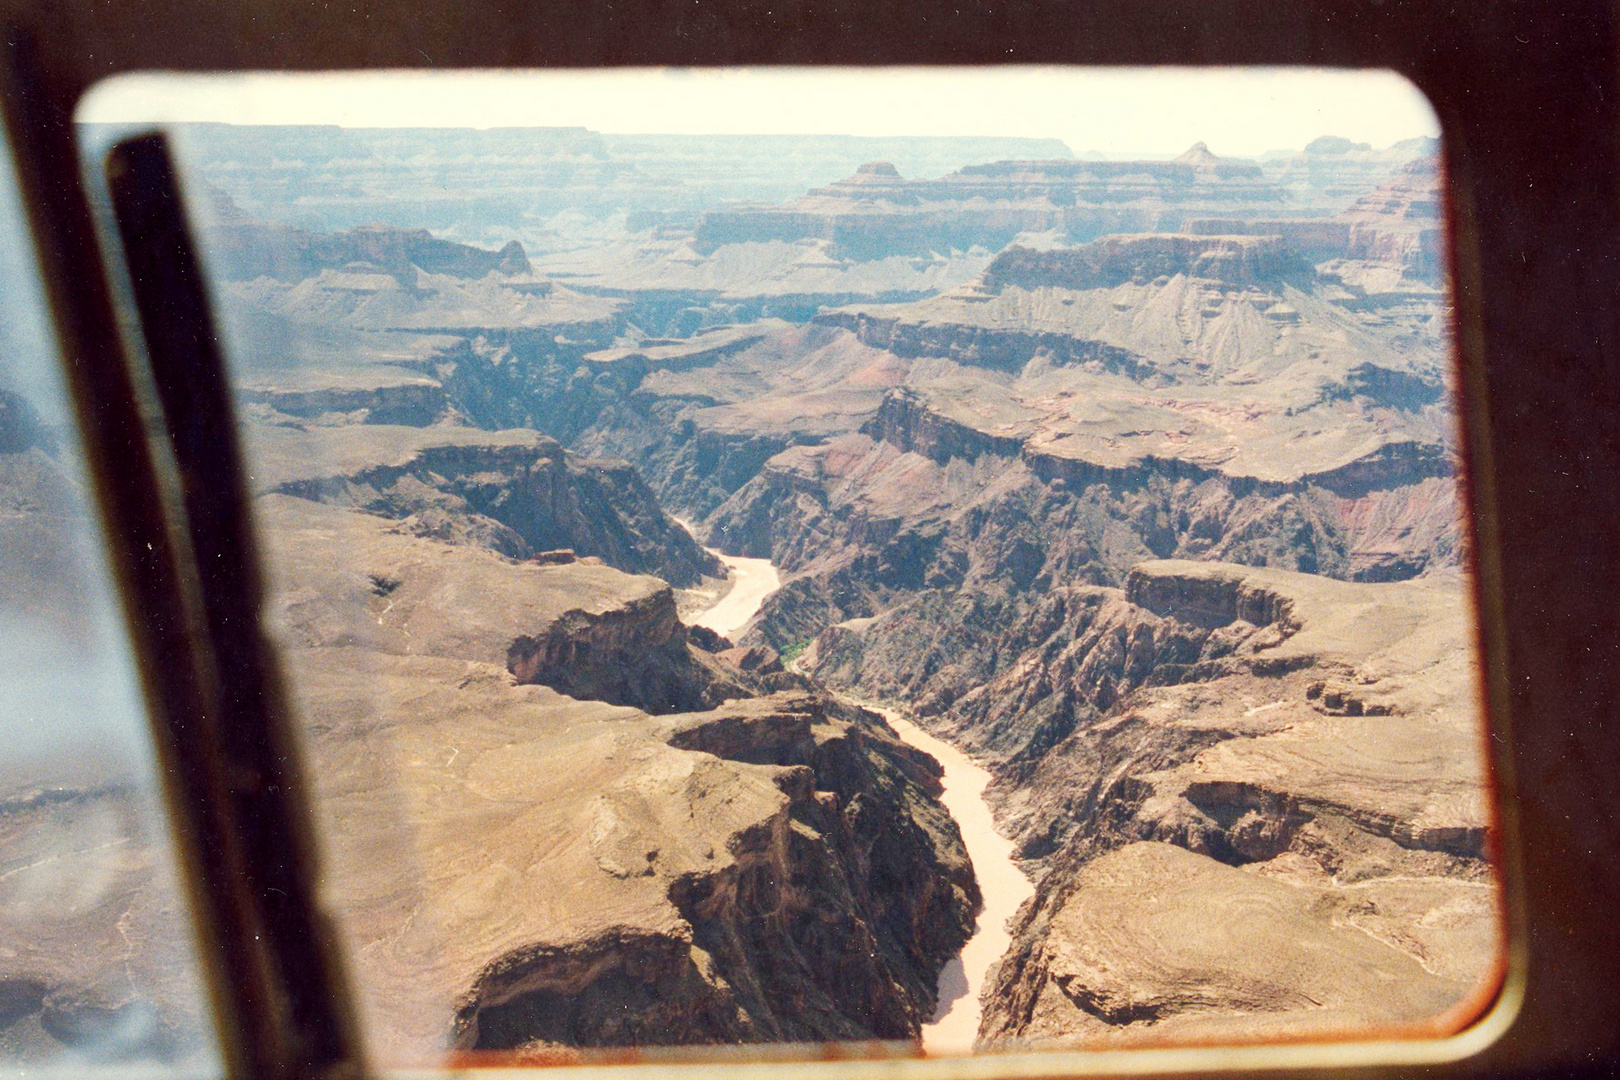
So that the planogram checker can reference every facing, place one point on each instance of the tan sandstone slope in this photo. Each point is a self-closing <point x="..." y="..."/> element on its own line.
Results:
<point x="1277" y="824"/>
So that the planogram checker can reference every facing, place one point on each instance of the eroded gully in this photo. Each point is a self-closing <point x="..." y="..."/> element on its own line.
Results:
<point x="955" y="1023"/>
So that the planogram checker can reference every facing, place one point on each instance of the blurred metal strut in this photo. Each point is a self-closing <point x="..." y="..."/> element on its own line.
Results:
<point x="184" y="554"/>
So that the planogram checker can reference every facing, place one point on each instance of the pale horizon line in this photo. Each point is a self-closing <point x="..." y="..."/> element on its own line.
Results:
<point x="1114" y="112"/>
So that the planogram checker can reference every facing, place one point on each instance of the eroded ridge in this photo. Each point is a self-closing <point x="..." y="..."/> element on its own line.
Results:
<point x="1275" y="820"/>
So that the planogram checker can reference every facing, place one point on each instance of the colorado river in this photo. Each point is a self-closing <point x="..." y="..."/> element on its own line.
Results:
<point x="752" y="581"/>
<point x="955" y="1023"/>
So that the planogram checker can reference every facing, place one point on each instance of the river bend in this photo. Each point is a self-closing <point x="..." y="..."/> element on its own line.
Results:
<point x="955" y="1023"/>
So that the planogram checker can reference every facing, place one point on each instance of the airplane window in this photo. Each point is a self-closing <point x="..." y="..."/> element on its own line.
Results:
<point x="945" y="562"/>
<point x="97" y="963"/>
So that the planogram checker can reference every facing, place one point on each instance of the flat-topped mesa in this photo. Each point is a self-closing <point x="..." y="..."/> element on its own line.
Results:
<point x="876" y="213"/>
<point x="391" y="398"/>
<point x="994" y="348"/>
<point x="1207" y="594"/>
<point x="1398" y="223"/>
<point x="1117" y="260"/>
<point x="904" y="420"/>
<point x="1197" y="164"/>
<point x="241" y="249"/>
<point x="395" y="249"/>
<point x="634" y="654"/>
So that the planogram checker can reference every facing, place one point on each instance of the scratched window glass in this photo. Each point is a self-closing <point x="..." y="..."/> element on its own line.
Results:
<point x="97" y="965"/>
<point x="940" y="561"/>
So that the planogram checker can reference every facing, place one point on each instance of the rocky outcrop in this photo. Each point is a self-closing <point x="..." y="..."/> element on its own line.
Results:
<point x="519" y="498"/>
<point x="1206" y="162"/>
<point x="1211" y="596"/>
<point x="1398" y="224"/>
<point x="636" y="655"/>
<point x="241" y="249"/>
<point x="1319" y="735"/>
<point x="868" y="521"/>
<point x="1116" y="260"/>
<point x="506" y="381"/>
<point x="882" y="832"/>
<point x="906" y="422"/>
<point x="416" y="403"/>
<point x="1393" y="465"/>
<point x="824" y="922"/>
<point x="1159" y="945"/>
<point x="626" y="987"/>
<point x="988" y="347"/>
<point x="1355" y="805"/>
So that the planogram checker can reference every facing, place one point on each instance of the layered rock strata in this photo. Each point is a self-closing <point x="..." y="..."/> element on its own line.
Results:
<point x="242" y="249"/>
<point x="1397" y="225"/>
<point x="1285" y="770"/>
<point x="345" y="177"/>
<point x="519" y="494"/>
<point x="876" y="212"/>
<point x="967" y="489"/>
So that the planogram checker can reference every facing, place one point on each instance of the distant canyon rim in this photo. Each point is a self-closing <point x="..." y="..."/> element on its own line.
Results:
<point x="1131" y="484"/>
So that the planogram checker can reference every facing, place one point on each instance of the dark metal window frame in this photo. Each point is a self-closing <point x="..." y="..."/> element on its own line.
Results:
<point x="1528" y="96"/>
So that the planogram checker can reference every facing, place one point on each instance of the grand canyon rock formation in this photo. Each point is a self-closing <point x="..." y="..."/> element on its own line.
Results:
<point x="967" y="492"/>
<point x="877" y="212"/>
<point x="1283" y="768"/>
<point x="1136" y="480"/>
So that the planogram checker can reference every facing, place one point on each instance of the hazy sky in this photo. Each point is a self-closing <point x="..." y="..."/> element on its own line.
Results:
<point x="1150" y="111"/>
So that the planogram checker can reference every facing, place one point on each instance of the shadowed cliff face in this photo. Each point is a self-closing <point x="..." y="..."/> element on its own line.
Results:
<point x="521" y="498"/>
<point x="636" y="655"/>
<point x="830" y="920"/>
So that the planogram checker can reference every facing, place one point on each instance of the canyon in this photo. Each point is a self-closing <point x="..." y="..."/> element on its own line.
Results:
<point x="712" y="611"/>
